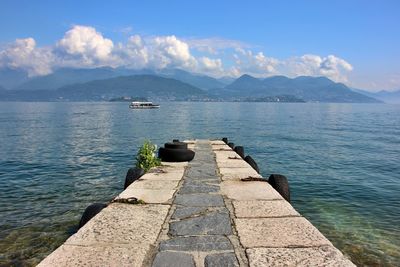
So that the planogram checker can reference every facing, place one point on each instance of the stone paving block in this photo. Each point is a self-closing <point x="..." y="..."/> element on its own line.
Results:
<point x="190" y="187"/>
<point x="174" y="164"/>
<point x="232" y="163"/>
<point x="217" y="142"/>
<point x="149" y="196"/>
<point x="176" y="259"/>
<point x="279" y="232"/>
<point x="253" y="190"/>
<point x="213" y="223"/>
<point x="201" y="174"/>
<point x="221" y="148"/>
<point x="170" y="176"/>
<point x="122" y="224"/>
<point x="263" y="208"/>
<point x="222" y="259"/>
<point x="154" y="184"/>
<point x="197" y="243"/>
<point x="199" y="200"/>
<point x="237" y="173"/>
<point x="114" y="255"/>
<point x="316" y="256"/>
<point x="167" y="169"/>
<point x="186" y="212"/>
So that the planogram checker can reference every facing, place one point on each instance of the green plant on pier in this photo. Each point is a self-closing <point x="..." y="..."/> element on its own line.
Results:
<point x="146" y="156"/>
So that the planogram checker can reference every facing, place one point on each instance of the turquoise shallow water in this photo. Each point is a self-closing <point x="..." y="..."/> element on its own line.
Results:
<point x="342" y="162"/>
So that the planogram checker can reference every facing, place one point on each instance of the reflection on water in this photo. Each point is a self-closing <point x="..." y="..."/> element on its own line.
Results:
<point x="341" y="160"/>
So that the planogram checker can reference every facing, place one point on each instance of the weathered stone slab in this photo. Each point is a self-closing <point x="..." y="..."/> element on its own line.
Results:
<point x="111" y="238"/>
<point x="199" y="200"/>
<point x="186" y="212"/>
<point x="263" y="208"/>
<point x="253" y="190"/>
<point x="214" y="223"/>
<point x="154" y="184"/>
<point x="149" y="196"/>
<point x="175" y="164"/>
<point x="167" y="169"/>
<point x="237" y="173"/>
<point x="217" y="142"/>
<point x="170" y="176"/>
<point x="190" y="187"/>
<point x="177" y="259"/>
<point x="122" y="224"/>
<point x="279" y="232"/>
<point x="71" y="255"/>
<point x="222" y="259"/>
<point x="232" y="163"/>
<point x="197" y="243"/>
<point x="316" y="256"/>
<point x="221" y="148"/>
<point x="201" y="173"/>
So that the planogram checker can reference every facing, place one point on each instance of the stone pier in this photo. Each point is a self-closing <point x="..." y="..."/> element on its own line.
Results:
<point x="200" y="213"/>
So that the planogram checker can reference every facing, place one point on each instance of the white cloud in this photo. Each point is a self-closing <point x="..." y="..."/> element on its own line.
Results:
<point x="255" y="64"/>
<point x="331" y="66"/>
<point x="23" y="54"/>
<point x="169" y="51"/>
<point x="214" y="45"/>
<point x="209" y="64"/>
<point x="86" y="46"/>
<point x="83" y="46"/>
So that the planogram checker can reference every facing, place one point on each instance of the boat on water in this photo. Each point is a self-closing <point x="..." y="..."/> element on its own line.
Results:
<point x="143" y="105"/>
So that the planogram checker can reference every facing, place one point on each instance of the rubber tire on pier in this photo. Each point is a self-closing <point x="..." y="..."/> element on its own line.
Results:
<point x="225" y="140"/>
<point x="132" y="175"/>
<point x="240" y="151"/>
<point x="281" y="185"/>
<point x="252" y="163"/>
<point x="91" y="211"/>
<point x="175" y="141"/>
<point x="231" y="145"/>
<point x="176" y="145"/>
<point x="175" y="155"/>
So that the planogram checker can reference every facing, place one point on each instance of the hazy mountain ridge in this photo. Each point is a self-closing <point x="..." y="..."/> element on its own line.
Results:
<point x="151" y="86"/>
<point x="106" y="83"/>
<point x="391" y="97"/>
<point x="310" y="89"/>
<point x="69" y="76"/>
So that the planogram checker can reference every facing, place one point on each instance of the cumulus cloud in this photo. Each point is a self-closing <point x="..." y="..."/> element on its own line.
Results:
<point x="84" y="46"/>
<point x="331" y="66"/>
<point x="23" y="54"/>
<point x="255" y="64"/>
<point x="215" y="45"/>
<point x="169" y="51"/>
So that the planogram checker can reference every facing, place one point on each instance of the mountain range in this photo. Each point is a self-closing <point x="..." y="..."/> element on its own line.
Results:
<point x="170" y="84"/>
<point x="391" y="97"/>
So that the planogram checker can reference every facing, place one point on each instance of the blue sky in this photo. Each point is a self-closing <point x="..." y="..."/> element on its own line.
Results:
<point x="356" y="42"/>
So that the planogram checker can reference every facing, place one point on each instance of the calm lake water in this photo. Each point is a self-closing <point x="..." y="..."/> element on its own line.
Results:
<point x="342" y="162"/>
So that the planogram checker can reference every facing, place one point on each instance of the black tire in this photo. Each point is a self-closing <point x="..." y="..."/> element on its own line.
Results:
<point x="252" y="163"/>
<point x="175" y="140"/>
<point x="240" y="151"/>
<point x="175" y="155"/>
<point x="91" y="211"/>
<point x="281" y="185"/>
<point x="176" y="145"/>
<point x="225" y="140"/>
<point x="231" y="145"/>
<point x="132" y="175"/>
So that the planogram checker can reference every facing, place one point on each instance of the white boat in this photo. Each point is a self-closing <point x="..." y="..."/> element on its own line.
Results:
<point x="143" y="105"/>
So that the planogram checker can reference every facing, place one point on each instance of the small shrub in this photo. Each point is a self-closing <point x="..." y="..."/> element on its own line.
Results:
<point x="146" y="156"/>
